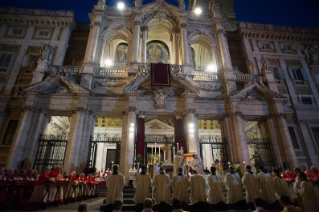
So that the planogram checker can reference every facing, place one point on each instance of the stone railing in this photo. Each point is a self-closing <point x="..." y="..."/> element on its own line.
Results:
<point x="244" y="77"/>
<point x="115" y="10"/>
<point x="107" y="138"/>
<point x="204" y="76"/>
<point x="111" y="72"/>
<point x="37" y="12"/>
<point x="69" y="69"/>
<point x="206" y="15"/>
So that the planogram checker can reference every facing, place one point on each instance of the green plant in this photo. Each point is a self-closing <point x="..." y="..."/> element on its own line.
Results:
<point x="139" y="159"/>
<point x="237" y="170"/>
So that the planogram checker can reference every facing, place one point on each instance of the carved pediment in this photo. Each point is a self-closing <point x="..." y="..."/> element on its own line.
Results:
<point x="57" y="85"/>
<point x="256" y="90"/>
<point x="157" y="124"/>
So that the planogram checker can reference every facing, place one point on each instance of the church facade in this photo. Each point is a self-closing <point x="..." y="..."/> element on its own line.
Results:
<point x="82" y="95"/>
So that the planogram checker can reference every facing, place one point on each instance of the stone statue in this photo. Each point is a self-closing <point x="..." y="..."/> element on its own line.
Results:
<point x="257" y="160"/>
<point x="311" y="53"/>
<point x="160" y="97"/>
<point x="139" y="79"/>
<point x="46" y="52"/>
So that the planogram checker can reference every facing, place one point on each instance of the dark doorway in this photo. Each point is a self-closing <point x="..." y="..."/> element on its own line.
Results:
<point x="111" y="156"/>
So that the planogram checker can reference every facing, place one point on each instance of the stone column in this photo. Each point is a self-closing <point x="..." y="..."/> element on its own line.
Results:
<point x="61" y="50"/>
<point x="224" y="50"/>
<point x="192" y="139"/>
<point x="309" y="143"/>
<point x="227" y="137"/>
<point x="3" y="116"/>
<point x="81" y="130"/>
<point x="92" y="41"/>
<point x="175" y="45"/>
<point x="31" y="125"/>
<point x="271" y="131"/>
<point x="128" y="141"/>
<point x="140" y="140"/>
<point x="286" y="143"/>
<point x="144" y="47"/>
<point x="216" y="56"/>
<point x="185" y="46"/>
<point x="136" y="41"/>
<point x="241" y="140"/>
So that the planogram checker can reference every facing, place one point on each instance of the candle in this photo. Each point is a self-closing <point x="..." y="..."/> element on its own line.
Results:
<point x="174" y="150"/>
<point x="228" y="163"/>
<point x="155" y="148"/>
<point x="159" y="153"/>
<point x="244" y="162"/>
<point x="177" y="146"/>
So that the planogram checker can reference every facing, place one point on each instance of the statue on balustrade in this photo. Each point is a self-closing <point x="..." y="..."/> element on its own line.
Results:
<point x="46" y="52"/>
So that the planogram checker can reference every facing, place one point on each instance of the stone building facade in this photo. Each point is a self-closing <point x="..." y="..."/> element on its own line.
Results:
<point x="80" y="95"/>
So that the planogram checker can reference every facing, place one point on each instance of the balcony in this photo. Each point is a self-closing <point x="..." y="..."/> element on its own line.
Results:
<point x="111" y="72"/>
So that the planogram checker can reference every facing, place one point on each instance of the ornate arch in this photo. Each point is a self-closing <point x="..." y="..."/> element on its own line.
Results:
<point x="207" y="37"/>
<point x="114" y="30"/>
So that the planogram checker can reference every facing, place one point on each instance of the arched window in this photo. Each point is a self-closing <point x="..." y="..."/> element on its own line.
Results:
<point x="157" y="52"/>
<point x="121" y="53"/>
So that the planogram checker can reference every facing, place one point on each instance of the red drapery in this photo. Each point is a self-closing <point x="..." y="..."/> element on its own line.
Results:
<point x="180" y="137"/>
<point x="160" y="76"/>
<point x="140" y="137"/>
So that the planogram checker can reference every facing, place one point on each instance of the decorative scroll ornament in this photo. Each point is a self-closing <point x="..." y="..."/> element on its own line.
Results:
<point x="252" y="95"/>
<point x="160" y="97"/>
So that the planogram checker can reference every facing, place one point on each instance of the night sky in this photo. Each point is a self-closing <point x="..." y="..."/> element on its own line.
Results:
<point x="299" y="13"/>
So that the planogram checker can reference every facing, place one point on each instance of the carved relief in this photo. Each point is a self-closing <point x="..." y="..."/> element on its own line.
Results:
<point x="160" y="97"/>
<point x="311" y="53"/>
<point x="46" y="52"/>
<point x="252" y="95"/>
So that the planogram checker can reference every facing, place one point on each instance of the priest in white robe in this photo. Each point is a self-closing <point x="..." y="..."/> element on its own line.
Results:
<point x="157" y="168"/>
<point x="308" y="194"/>
<point x="215" y="184"/>
<point x="281" y="186"/>
<point x="114" y="184"/>
<point x="266" y="186"/>
<point x="180" y="185"/>
<point x="251" y="186"/>
<point x="162" y="183"/>
<point x="233" y="186"/>
<point x="132" y="174"/>
<point x="178" y="162"/>
<point x="219" y="167"/>
<point x="197" y="164"/>
<point x="142" y="184"/>
<point x="197" y="187"/>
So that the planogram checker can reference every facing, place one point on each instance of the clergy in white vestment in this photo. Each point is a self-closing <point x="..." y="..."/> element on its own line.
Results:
<point x="297" y="183"/>
<point x="197" y="187"/>
<point x="157" y="168"/>
<point x="142" y="184"/>
<point x="131" y="174"/>
<point x="233" y="186"/>
<point x="266" y="186"/>
<point x="197" y="164"/>
<point x="251" y="186"/>
<point x="281" y="186"/>
<point x="178" y="162"/>
<point x="215" y="184"/>
<point x="114" y="184"/>
<point x="219" y="167"/>
<point x="180" y="185"/>
<point x="308" y="194"/>
<point x="162" y="183"/>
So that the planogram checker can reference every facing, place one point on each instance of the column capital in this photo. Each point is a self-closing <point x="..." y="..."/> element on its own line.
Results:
<point x="280" y="115"/>
<point x="238" y="114"/>
<point x="31" y="109"/>
<point x="141" y="115"/>
<point x="137" y="22"/>
<point x="190" y="111"/>
<point x="131" y="109"/>
<point x="179" y="115"/>
<point x="82" y="110"/>
<point x="144" y="28"/>
<point x="175" y="30"/>
<point x="124" y="113"/>
<point x="183" y="25"/>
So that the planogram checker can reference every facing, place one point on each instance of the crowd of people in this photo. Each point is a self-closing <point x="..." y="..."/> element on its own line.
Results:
<point x="50" y="187"/>
<point x="273" y="190"/>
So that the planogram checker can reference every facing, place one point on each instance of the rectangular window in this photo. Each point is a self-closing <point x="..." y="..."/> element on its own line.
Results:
<point x="17" y="31"/>
<point x="293" y="137"/>
<point x="10" y="132"/>
<point x="4" y="62"/>
<point x="315" y="132"/>
<point x="306" y="100"/>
